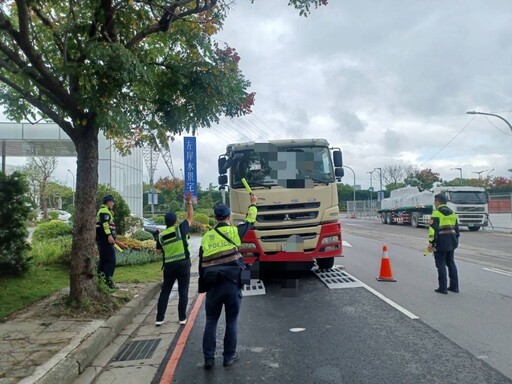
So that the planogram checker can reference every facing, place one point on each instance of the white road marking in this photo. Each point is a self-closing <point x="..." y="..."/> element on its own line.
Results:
<point x="295" y="330"/>
<point x="346" y="244"/>
<point x="500" y="271"/>
<point x="389" y="301"/>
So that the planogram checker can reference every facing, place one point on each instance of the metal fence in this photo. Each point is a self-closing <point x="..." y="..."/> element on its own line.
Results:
<point x="363" y="209"/>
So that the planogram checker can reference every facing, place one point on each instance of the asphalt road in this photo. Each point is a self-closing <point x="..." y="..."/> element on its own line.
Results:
<point x="478" y="318"/>
<point x="352" y="336"/>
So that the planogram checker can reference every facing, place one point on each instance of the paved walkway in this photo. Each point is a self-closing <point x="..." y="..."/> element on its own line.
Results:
<point x="36" y="347"/>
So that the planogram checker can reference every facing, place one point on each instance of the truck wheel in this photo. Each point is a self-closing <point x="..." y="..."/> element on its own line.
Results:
<point x="325" y="263"/>
<point x="414" y="220"/>
<point x="383" y="218"/>
<point x="389" y="218"/>
<point x="474" y="229"/>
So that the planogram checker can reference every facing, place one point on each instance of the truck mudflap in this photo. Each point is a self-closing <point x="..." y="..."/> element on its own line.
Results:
<point x="329" y="245"/>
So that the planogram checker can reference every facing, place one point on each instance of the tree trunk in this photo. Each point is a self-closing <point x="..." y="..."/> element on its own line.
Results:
<point x="83" y="251"/>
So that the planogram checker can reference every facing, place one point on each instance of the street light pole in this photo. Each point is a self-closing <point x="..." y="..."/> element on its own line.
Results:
<point x="460" y="170"/>
<point x="379" y="196"/>
<point x="73" y="189"/>
<point x="371" y="189"/>
<point x="490" y="114"/>
<point x="480" y="173"/>
<point x="354" y="188"/>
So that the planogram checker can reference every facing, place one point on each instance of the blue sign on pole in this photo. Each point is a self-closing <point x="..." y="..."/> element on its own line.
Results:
<point x="190" y="161"/>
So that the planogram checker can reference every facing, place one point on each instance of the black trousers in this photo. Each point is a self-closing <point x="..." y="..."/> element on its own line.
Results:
<point x="177" y="270"/>
<point x="446" y="260"/>
<point x="107" y="264"/>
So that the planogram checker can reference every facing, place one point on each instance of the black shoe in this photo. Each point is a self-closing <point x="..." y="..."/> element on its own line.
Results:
<point x="209" y="363"/>
<point x="456" y="290"/>
<point x="230" y="362"/>
<point x="443" y="291"/>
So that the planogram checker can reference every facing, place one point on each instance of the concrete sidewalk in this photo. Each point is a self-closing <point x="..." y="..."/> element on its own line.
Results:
<point x="44" y="349"/>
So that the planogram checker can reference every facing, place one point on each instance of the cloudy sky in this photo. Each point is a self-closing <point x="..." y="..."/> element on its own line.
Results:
<point x="387" y="81"/>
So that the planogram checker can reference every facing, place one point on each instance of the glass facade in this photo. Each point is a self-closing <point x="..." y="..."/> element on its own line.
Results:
<point x="123" y="173"/>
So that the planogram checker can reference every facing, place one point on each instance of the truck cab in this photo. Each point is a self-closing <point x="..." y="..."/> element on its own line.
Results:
<point x="295" y="183"/>
<point x="469" y="203"/>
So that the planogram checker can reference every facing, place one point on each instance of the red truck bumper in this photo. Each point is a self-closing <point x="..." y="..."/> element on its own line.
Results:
<point x="329" y="245"/>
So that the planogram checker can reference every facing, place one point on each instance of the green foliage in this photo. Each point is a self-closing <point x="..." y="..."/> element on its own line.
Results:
<point x="142" y="235"/>
<point x="205" y="211"/>
<point x="15" y="211"/>
<point x="133" y="223"/>
<point x="181" y="215"/>
<point x="50" y="230"/>
<point x="53" y="215"/>
<point x="175" y="206"/>
<point x="50" y="251"/>
<point x="159" y="219"/>
<point x="136" y="257"/>
<point x="201" y="217"/>
<point x="121" y="209"/>
<point x="212" y="223"/>
<point x="197" y="227"/>
<point x="424" y="179"/>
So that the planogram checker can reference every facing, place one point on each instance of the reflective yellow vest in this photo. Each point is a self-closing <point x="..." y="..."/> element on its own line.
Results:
<point x="105" y="222"/>
<point x="172" y="244"/>
<point x="217" y="250"/>
<point x="443" y="231"/>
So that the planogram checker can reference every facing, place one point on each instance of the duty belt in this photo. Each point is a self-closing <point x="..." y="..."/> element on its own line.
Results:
<point x="221" y="258"/>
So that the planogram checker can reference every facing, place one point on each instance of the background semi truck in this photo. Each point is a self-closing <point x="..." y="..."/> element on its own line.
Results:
<point x="410" y="206"/>
<point x="298" y="214"/>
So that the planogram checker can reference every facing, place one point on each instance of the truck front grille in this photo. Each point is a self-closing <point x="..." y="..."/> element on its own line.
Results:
<point x="287" y="207"/>
<point x="269" y="218"/>
<point x="470" y="209"/>
<point x="284" y="238"/>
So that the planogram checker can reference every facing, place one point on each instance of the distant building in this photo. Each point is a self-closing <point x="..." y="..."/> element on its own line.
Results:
<point x="123" y="173"/>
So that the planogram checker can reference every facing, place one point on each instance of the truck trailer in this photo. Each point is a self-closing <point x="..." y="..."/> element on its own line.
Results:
<point x="410" y="206"/>
<point x="298" y="214"/>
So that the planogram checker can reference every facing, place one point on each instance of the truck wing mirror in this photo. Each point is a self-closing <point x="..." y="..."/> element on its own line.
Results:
<point x="223" y="179"/>
<point x="339" y="173"/>
<point x="338" y="159"/>
<point x="221" y="162"/>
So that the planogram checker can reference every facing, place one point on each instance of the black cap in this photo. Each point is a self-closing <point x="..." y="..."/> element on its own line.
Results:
<point x="221" y="211"/>
<point x="108" y="198"/>
<point x="441" y="198"/>
<point x="170" y="219"/>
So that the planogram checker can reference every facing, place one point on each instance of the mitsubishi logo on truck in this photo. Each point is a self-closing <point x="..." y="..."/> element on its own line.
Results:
<point x="287" y="218"/>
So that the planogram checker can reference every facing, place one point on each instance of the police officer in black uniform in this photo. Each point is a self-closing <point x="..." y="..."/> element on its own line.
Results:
<point x="106" y="239"/>
<point x="172" y="243"/>
<point x="220" y="266"/>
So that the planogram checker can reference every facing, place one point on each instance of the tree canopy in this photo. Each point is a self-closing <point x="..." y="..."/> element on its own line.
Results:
<point x="137" y="70"/>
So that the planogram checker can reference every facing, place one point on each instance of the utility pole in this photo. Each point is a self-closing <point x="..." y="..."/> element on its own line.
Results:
<point x="371" y="189"/>
<point x="354" y="188"/>
<point x="460" y="170"/>
<point x="380" y="194"/>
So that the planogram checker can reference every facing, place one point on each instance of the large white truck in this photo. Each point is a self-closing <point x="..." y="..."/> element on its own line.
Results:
<point x="410" y="206"/>
<point x="298" y="215"/>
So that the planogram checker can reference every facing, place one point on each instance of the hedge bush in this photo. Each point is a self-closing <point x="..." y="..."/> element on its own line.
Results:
<point x="50" y="251"/>
<point x="133" y="257"/>
<point x="197" y="227"/>
<point x="142" y="235"/>
<point x="160" y="219"/>
<point x="130" y="242"/>
<point x="201" y="217"/>
<point x="51" y="230"/>
<point x="15" y="212"/>
<point x="53" y="215"/>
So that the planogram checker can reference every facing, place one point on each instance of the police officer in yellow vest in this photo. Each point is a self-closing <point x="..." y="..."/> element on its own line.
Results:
<point x="172" y="243"/>
<point x="106" y="239"/>
<point x="220" y="267"/>
<point x="443" y="239"/>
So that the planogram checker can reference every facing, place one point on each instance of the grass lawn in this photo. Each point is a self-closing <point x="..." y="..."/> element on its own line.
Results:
<point x="19" y="292"/>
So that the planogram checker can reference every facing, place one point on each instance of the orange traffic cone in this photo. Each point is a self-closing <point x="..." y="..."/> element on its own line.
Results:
<point x="385" y="267"/>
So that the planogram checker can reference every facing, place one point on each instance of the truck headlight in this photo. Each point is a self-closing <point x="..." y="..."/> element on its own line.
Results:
<point x="330" y="239"/>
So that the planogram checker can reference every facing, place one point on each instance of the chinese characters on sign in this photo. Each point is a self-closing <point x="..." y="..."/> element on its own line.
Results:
<point x="190" y="161"/>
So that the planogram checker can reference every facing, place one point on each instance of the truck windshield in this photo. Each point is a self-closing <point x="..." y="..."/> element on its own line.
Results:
<point x="290" y="167"/>
<point x="468" y="197"/>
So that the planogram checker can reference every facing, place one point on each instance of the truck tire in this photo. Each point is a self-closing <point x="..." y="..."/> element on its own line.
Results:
<point x="389" y="218"/>
<point x="325" y="262"/>
<point x="474" y="229"/>
<point x="383" y="218"/>
<point x="414" y="220"/>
